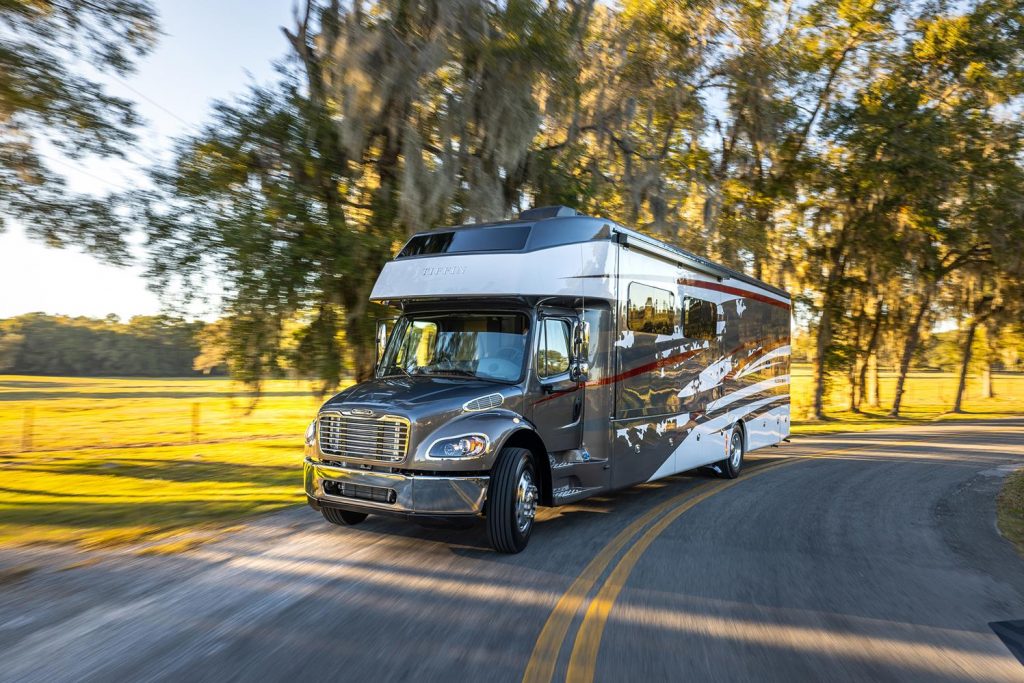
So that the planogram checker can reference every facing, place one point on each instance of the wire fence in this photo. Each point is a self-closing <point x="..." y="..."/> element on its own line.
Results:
<point x="114" y="422"/>
<point x="123" y="418"/>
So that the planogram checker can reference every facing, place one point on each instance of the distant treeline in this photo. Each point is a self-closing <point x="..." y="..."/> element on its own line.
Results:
<point x="153" y="346"/>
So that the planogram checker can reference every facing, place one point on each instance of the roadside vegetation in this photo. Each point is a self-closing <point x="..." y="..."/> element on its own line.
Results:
<point x="163" y="464"/>
<point x="1010" y="509"/>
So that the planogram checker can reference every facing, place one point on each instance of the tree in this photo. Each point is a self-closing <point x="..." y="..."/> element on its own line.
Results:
<point x="43" y="96"/>
<point x="384" y="122"/>
<point x="157" y="346"/>
<point x="213" y="348"/>
<point x="862" y="154"/>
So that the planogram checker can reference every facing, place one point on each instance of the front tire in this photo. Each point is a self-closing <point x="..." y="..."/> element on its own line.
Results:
<point x="343" y="517"/>
<point x="733" y="463"/>
<point x="511" y="500"/>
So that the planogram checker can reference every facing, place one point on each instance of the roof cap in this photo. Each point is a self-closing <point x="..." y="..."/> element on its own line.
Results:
<point x="541" y="212"/>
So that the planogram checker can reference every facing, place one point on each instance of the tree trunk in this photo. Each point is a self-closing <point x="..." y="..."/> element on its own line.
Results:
<point x="851" y="369"/>
<point x="986" y="381"/>
<point x="852" y="379"/>
<point x="873" y="398"/>
<point x="909" y="347"/>
<point x="869" y="351"/>
<point x="824" y="338"/>
<point x="964" y="364"/>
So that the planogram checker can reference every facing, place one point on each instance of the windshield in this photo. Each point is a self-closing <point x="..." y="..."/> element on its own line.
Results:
<point x="484" y="345"/>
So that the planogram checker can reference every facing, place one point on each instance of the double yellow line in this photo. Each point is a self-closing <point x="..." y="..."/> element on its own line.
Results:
<point x="582" y="661"/>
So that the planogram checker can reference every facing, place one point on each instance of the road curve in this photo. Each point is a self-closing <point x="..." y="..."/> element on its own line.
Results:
<point x="850" y="557"/>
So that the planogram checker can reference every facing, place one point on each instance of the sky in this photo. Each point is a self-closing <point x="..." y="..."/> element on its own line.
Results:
<point x="208" y="51"/>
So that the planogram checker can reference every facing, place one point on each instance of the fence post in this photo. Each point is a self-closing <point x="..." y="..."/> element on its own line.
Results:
<point x="27" y="428"/>
<point x="195" y="422"/>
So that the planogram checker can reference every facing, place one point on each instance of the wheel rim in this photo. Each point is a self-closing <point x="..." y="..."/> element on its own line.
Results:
<point x="735" y="450"/>
<point x="526" y="501"/>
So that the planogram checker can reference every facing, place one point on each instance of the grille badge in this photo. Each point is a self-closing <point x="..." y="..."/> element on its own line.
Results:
<point x="363" y="412"/>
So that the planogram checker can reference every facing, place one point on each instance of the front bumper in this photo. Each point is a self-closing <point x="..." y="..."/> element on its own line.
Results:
<point x="397" y="494"/>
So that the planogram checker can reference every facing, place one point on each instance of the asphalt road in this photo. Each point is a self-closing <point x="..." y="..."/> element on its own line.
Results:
<point x="868" y="557"/>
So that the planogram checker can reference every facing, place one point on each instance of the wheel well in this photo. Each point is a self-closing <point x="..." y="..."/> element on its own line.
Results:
<point x="743" y="431"/>
<point x="528" y="439"/>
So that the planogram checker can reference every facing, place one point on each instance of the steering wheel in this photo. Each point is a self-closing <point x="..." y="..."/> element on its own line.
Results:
<point x="510" y="353"/>
<point x="499" y="368"/>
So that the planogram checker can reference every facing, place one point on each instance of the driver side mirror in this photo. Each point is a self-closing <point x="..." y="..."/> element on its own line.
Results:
<point x="580" y="368"/>
<point x="382" y="341"/>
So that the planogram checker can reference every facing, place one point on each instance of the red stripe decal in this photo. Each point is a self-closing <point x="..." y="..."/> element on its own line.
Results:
<point x="639" y="370"/>
<point x="702" y="284"/>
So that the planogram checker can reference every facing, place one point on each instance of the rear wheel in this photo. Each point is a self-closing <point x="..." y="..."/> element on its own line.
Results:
<point x="511" y="500"/>
<point x="343" y="517"/>
<point x="730" y="467"/>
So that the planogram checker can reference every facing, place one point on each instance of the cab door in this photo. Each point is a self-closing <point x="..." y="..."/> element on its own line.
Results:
<point x="557" y="399"/>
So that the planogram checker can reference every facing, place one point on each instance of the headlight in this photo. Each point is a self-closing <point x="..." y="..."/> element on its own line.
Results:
<point x="311" y="433"/>
<point x="467" y="446"/>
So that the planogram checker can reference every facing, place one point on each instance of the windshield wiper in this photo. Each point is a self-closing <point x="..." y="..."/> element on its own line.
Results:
<point x="465" y="373"/>
<point x="403" y="371"/>
<point x="454" y="371"/>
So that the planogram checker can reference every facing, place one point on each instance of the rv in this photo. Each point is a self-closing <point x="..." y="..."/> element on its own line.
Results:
<point x="543" y="360"/>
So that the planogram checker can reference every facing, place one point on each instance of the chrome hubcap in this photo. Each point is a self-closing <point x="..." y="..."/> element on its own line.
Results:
<point x="735" y="449"/>
<point x="526" y="501"/>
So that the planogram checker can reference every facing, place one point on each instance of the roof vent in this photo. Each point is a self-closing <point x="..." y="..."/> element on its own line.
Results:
<point x="542" y="212"/>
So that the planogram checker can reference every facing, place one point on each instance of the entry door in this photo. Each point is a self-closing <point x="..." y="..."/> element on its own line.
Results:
<point x="557" y="399"/>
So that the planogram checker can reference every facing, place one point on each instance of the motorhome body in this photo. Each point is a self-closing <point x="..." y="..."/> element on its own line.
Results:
<point x="544" y="360"/>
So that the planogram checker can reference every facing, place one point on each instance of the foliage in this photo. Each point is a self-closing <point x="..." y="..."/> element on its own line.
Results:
<point x="155" y="346"/>
<point x="384" y="122"/>
<point x="44" y="95"/>
<point x="864" y="154"/>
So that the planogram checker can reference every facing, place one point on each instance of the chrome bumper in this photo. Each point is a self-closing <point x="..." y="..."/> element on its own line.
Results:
<point x="413" y="495"/>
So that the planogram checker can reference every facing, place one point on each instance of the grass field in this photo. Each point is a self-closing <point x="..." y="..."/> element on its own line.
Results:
<point x="98" y="462"/>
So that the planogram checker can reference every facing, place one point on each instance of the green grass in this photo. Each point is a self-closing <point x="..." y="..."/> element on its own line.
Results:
<point x="113" y="462"/>
<point x="928" y="397"/>
<point x="1010" y="509"/>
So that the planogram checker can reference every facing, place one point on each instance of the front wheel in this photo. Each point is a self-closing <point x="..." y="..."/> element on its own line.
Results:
<point x="730" y="467"/>
<point x="511" y="500"/>
<point x="343" y="517"/>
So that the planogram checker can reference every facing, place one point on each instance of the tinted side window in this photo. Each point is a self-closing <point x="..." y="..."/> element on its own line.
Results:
<point x="651" y="310"/>
<point x="700" y="319"/>
<point x="433" y="243"/>
<point x="553" y="348"/>
<point x="467" y="240"/>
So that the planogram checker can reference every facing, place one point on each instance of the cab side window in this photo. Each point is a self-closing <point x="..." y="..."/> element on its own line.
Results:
<point x="651" y="310"/>
<point x="553" y="347"/>
<point x="700" y="319"/>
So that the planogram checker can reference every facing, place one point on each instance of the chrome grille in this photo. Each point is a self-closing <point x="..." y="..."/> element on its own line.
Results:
<point x="382" y="439"/>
